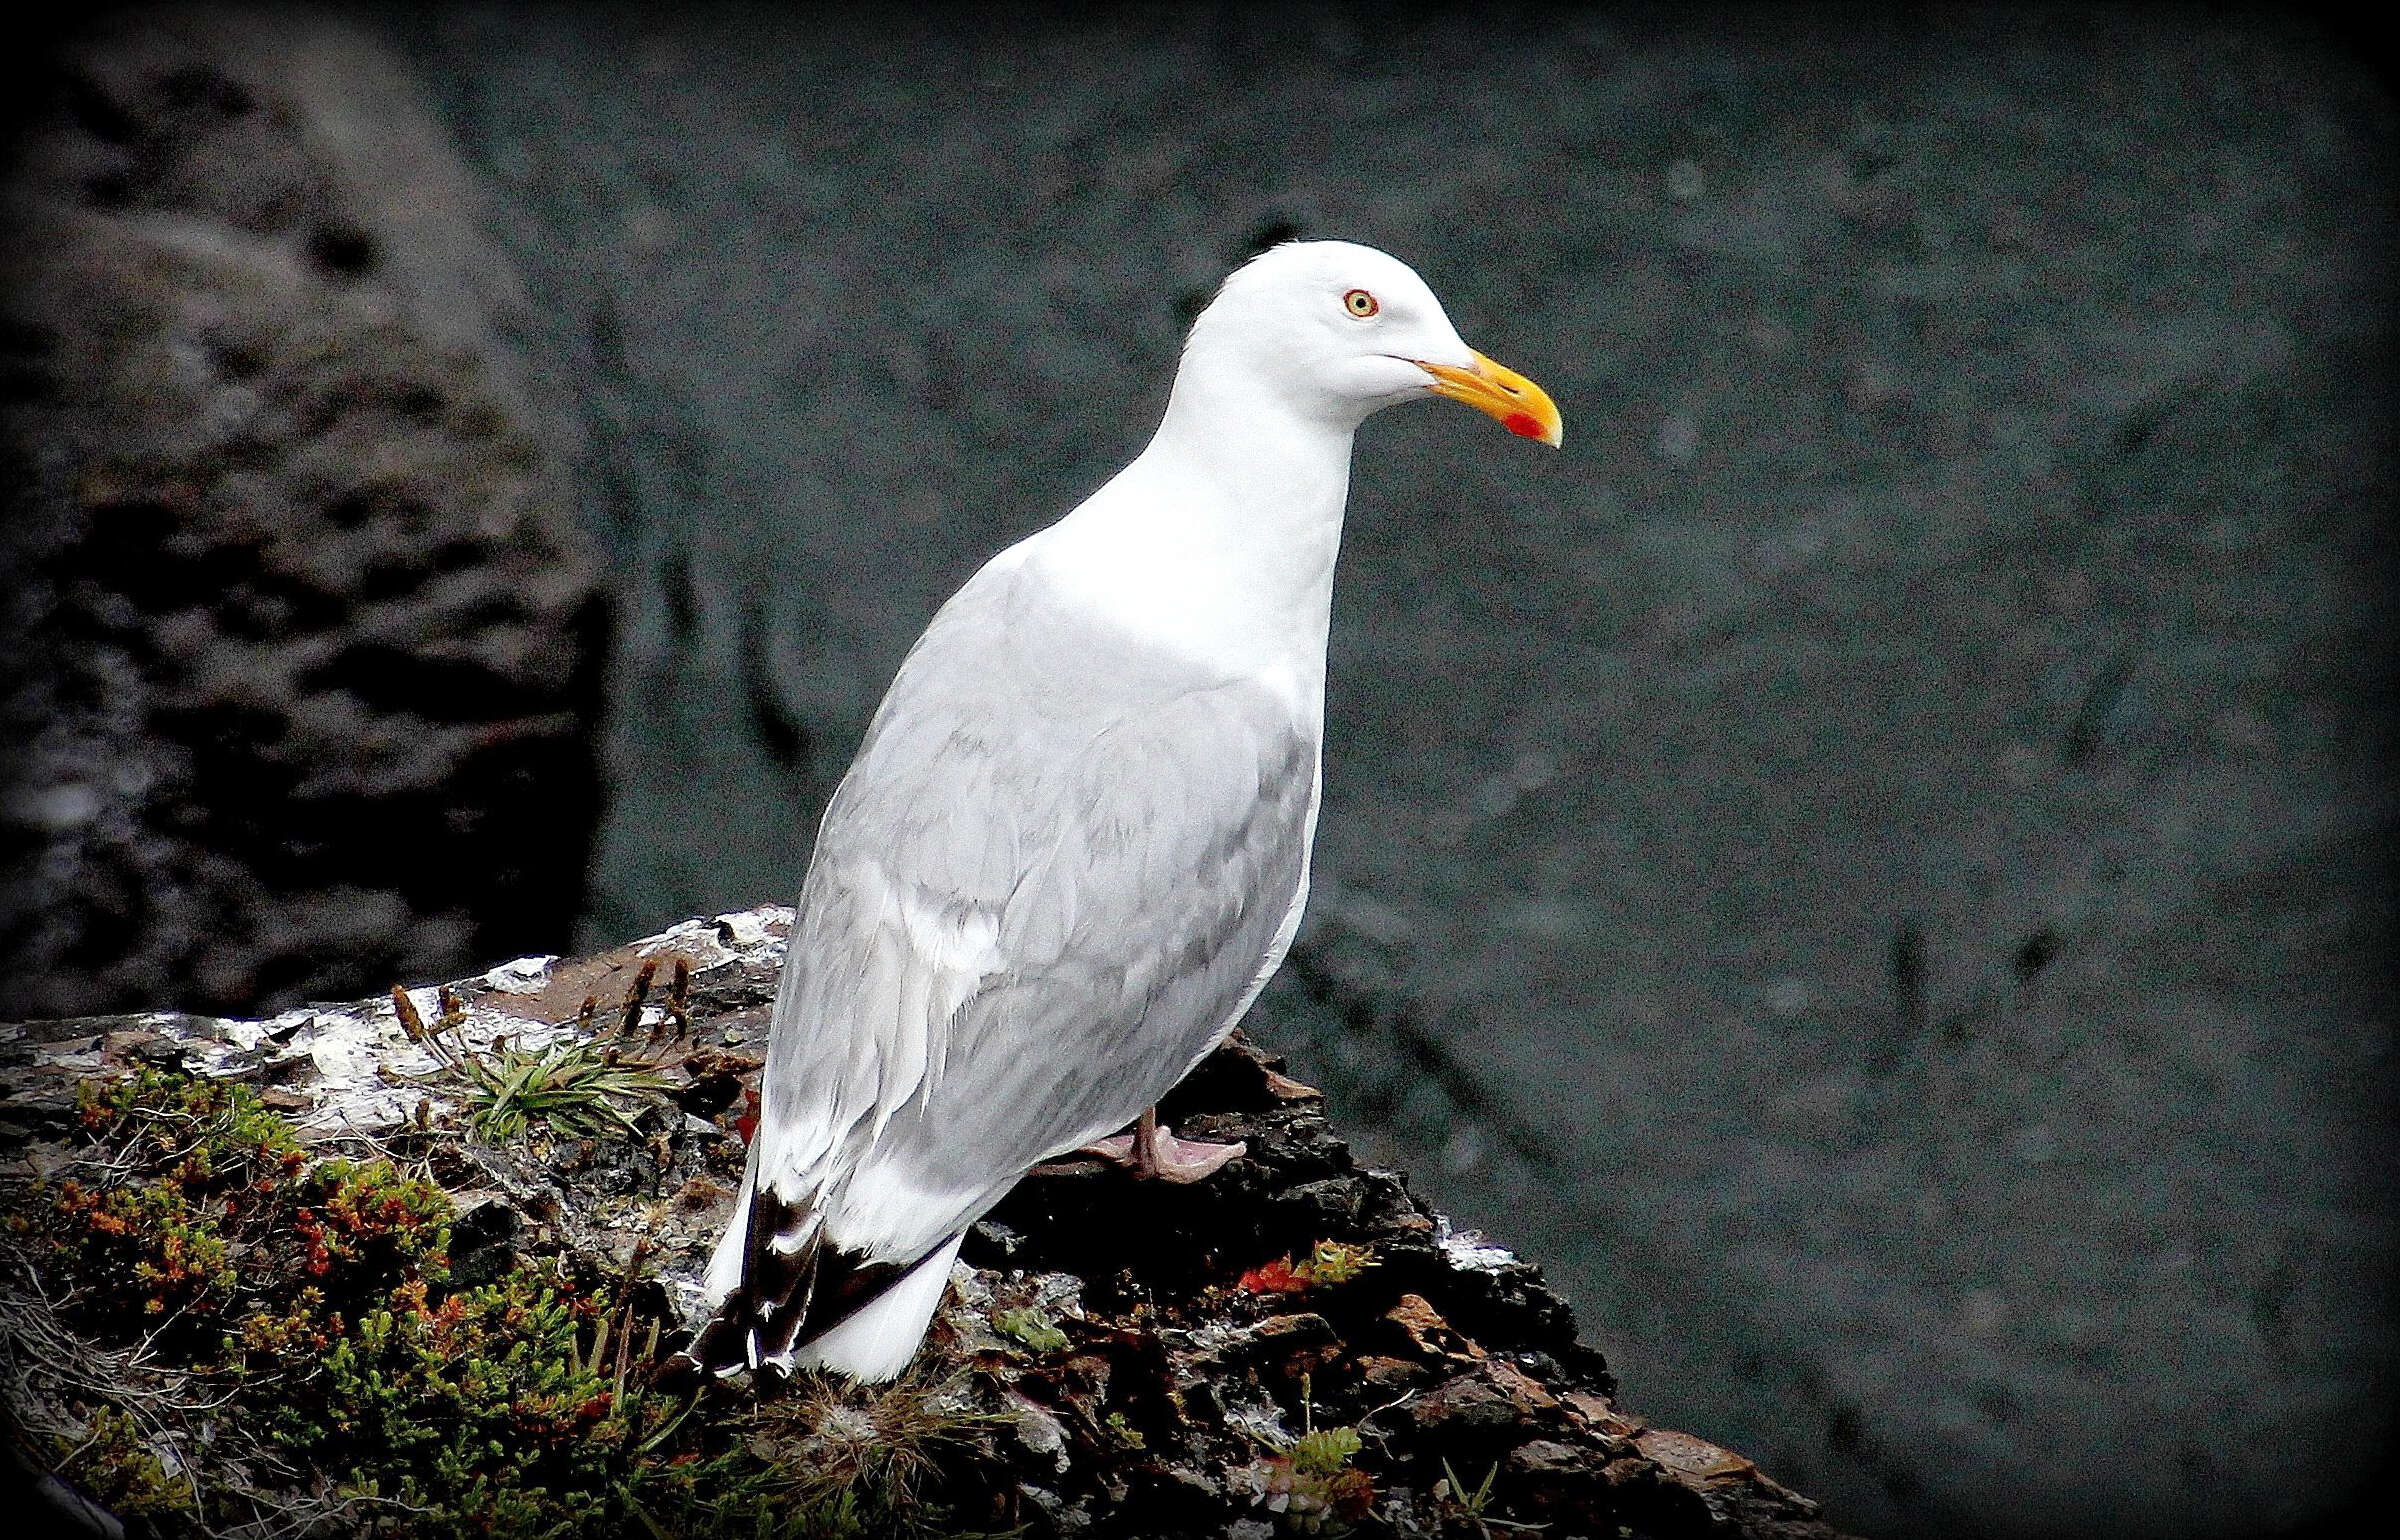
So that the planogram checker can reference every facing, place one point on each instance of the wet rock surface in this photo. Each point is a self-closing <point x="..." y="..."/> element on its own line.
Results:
<point x="305" y="645"/>
<point x="1297" y="1344"/>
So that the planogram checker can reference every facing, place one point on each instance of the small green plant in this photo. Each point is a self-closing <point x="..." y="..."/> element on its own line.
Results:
<point x="1032" y="1326"/>
<point x="1336" y="1262"/>
<point x="1309" y="1480"/>
<point x="370" y="1229"/>
<point x="1323" y="1451"/>
<point x="1330" y="1262"/>
<point x="116" y="1466"/>
<point x="579" y="1089"/>
<point x="1471" y="1505"/>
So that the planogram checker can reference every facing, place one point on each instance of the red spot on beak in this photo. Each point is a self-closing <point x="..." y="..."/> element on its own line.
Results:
<point x="1523" y="425"/>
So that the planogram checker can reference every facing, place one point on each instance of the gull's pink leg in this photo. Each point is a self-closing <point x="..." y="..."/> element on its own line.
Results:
<point x="1154" y="1152"/>
<point x="1162" y="1155"/>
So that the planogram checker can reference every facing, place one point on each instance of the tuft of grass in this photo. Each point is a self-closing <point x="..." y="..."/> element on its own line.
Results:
<point x="1471" y="1505"/>
<point x="579" y="1089"/>
<point x="872" y="1452"/>
<point x="582" y="1089"/>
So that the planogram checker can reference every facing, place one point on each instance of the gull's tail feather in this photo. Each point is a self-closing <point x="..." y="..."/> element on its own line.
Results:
<point x="798" y="1302"/>
<point x="881" y="1334"/>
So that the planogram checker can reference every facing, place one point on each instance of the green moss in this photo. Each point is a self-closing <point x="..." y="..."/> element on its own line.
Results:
<point x="475" y="1412"/>
<point x="115" y="1465"/>
<point x="366" y="1229"/>
<point x="203" y="1211"/>
<point x="1032" y="1326"/>
<point x="155" y="1246"/>
<point x="313" y="1304"/>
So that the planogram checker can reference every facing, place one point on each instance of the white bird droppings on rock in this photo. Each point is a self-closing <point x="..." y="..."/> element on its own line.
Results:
<point x="1468" y="1251"/>
<point x="524" y="976"/>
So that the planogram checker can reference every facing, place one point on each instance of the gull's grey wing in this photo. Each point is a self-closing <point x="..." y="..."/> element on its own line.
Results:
<point x="1058" y="870"/>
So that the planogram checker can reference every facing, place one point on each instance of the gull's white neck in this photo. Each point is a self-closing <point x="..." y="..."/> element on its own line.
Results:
<point x="1218" y="541"/>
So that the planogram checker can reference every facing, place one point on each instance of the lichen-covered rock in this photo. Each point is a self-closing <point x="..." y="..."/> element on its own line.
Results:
<point x="1296" y="1345"/>
<point x="305" y="644"/>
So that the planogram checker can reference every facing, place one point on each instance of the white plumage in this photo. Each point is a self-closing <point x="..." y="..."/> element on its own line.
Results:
<point x="1075" y="841"/>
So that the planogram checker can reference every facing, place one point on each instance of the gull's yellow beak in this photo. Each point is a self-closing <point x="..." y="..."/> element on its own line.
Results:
<point x="1523" y="407"/>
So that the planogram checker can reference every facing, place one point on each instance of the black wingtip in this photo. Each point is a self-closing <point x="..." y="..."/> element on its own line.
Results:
<point x="786" y="1298"/>
<point x="755" y="1321"/>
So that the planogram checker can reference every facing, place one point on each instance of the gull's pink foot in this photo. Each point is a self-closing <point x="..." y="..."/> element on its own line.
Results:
<point x="1153" y="1151"/>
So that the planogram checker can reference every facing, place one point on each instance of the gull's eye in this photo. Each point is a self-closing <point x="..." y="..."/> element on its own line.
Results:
<point x="1360" y="303"/>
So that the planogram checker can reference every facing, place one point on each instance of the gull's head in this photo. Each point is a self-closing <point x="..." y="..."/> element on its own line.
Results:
<point x="1339" y="330"/>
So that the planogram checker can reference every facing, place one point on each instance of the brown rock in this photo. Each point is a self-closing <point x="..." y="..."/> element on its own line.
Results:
<point x="1596" y="1410"/>
<point x="1560" y="1482"/>
<point x="1425" y="1328"/>
<point x="1692" y="1459"/>
<point x="1544" y="1457"/>
<point x="1529" y="1398"/>
<point x="1389" y="1373"/>
<point x="1173" y="1410"/>
<point x="1467" y="1402"/>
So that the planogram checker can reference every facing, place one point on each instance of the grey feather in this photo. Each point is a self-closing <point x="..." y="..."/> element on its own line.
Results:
<point x="1118" y="837"/>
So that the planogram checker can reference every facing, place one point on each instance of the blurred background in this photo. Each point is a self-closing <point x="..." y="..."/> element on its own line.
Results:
<point x="1874" y="865"/>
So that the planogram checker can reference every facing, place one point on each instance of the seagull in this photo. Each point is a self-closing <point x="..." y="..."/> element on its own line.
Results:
<point x="1075" y="841"/>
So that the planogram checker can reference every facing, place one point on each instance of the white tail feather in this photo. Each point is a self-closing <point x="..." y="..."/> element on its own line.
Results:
<point x="877" y="1342"/>
<point x="725" y="1263"/>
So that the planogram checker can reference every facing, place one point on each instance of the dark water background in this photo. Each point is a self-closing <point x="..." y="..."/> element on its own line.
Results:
<point x="1873" y="865"/>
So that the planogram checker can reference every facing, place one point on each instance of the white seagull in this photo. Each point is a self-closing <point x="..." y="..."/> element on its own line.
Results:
<point x="1075" y="841"/>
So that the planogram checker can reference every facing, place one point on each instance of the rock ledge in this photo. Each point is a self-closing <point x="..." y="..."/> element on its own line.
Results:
<point x="1296" y="1344"/>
